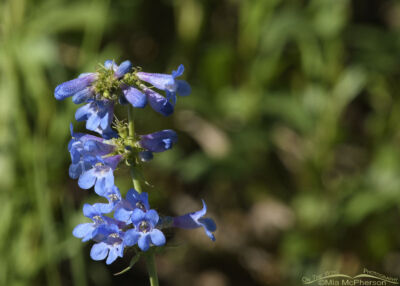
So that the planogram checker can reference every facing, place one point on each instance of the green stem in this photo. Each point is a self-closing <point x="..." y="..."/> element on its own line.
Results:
<point x="151" y="268"/>
<point x="150" y="262"/>
<point x="131" y="124"/>
<point x="134" y="169"/>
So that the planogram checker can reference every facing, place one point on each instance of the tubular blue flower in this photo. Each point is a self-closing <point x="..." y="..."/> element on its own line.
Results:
<point x="165" y="81"/>
<point x="158" y="141"/>
<point x="84" y="150"/>
<point x="195" y="220"/>
<point x="134" y="96"/>
<point x="158" y="102"/>
<point x="133" y="201"/>
<point x="72" y="87"/>
<point x="90" y="156"/>
<point x="110" y="244"/>
<point x="95" y="213"/>
<point x="168" y="83"/>
<point x="144" y="232"/>
<point x="100" y="175"/>
<point x="98" y="115"/>
<point x="86" y="144"/>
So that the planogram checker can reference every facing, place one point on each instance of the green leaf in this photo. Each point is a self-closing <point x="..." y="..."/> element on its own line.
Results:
<point x="133" y="261"/>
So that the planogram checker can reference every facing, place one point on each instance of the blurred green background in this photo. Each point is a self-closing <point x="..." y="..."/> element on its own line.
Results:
<point x="290" y="135"/>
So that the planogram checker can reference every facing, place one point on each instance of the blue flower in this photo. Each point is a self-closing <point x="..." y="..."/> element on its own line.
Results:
<point x="158" y="102"/>
<point x="195" y="220"/>
<point x="158" y="141"/>
<point x="144" y="232"/>
<point x="84" y="144"/>
<point x="100" y="175"/>
<point x="133" y="201"/>
<point x="92" y="162"/>
<point x="80" y="85"/>
<point x="119" y="71"/>
<point x="98" y="115"/>
<point x="94" y="212"/>
<point x="113" y="195"/>
<point x="84" y="150"/>
<point x="110" y="244"/>
<point x="134" y="96"/>
<point x="167" y="83"/>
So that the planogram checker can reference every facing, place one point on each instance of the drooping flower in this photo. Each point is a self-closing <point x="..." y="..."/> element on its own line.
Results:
<point x="82" y="146"/>
<point x="195" y="220"/>
<point x="134" y="96"/>
<point x="158" y="102"/>
<point x="92" y="161"/>
<point x="98" y="115"/>
<point x="144" y="232"/>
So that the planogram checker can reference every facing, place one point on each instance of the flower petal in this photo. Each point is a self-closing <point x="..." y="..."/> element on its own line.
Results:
<point x="112" y="255"/>
<point x="71" y="87"/>
<point x="123" y="68"/>
<point x="208" y="224"/>
<point x="159" y="103"/>
<point x="135" y="97"/>
<point x="99" y="251"/>
<point x="179" y="71"/>
<point x="83" y="112"/>
<point x="184" y="88"/>
<point x="144" y="242"/>
<point x="160" y="81"/>
<point x="82" y="230"/>
<point x="152" y="216"/>
<point x="131" y="237"/>
<point x="137" y="216"/>
<point x="157" y="237"/>
<point x="82" y="96"/>
<point x="145" y="156"/>
<point x="158" y="141"/>
<point x="87" y="179"/>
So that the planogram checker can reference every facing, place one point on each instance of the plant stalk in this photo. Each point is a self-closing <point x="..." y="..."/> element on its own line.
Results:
<point x="151" y="268"/>
<point x="149" y="257"/>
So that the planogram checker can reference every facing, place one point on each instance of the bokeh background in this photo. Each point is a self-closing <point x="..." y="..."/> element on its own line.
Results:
<point x="290" y="135"/>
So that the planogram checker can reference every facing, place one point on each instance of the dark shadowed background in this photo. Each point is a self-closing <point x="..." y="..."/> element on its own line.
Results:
<point x="291" y="135"/>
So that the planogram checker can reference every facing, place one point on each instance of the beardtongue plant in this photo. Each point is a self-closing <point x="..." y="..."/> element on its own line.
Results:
<point x="123" y="222"/>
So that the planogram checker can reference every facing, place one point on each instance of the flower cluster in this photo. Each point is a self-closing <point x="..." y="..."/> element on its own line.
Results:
<point x="112" y="84"/>
<point x="120" y="222"/>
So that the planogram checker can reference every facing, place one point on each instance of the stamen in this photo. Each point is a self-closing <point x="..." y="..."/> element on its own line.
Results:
<point x="141" y="206"/>
<point x="144" y="226"/>
<point x="98" y="219"/>
<point x="113" y="197"/>
<point x="114" y="235"/>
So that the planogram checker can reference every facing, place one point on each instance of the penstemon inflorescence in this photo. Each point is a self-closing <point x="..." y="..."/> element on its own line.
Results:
<point x="123" y="222"/>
